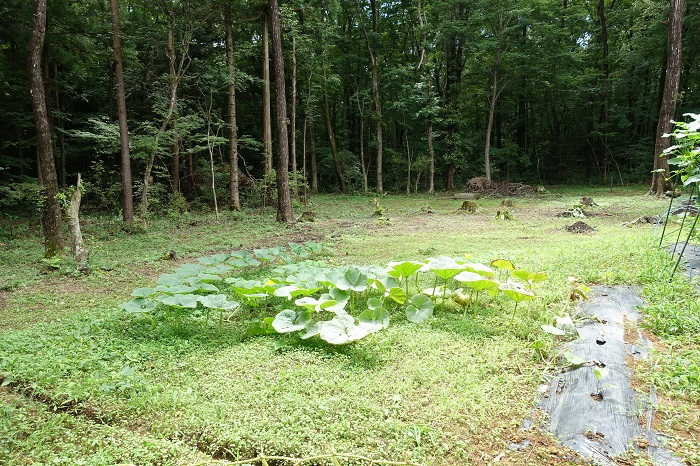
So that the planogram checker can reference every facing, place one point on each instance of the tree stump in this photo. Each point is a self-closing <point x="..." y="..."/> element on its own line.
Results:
<point x="469" y="207"/>
<point x="308" y="216"/>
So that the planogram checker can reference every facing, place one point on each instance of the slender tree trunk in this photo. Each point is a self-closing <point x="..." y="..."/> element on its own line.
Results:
<point x="234" y="202"/>
<point x="175" y="158"/>
<point x="127" y="183"/>
<point x="489" y="125"/>
<point x="378" y="113"/>
<point x="314" y="167"/>
<point x="110" y="90"/>
<point x="60" y="137"/>
<point x="408" y="171"/>
<point x="267" y="118"/>
<point x="312" y="141"/>
<point x="363" y="165"/>
<point x="176" y="73"/>
<point x="431" y="154"/>
<point x="428" y="79"/>
<point x="668" y="102"/>
<point x="604" y="112"/>
<point x="293" y="118"/>
<point x="331" y="137"/>
<point x="284" y="201"/>
<point x="51" y="215"/>
<point x="375" y="91"/>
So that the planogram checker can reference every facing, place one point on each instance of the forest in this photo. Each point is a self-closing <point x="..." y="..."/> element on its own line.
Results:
<point x="397" y="96"/>
<point x="485" y="247"/>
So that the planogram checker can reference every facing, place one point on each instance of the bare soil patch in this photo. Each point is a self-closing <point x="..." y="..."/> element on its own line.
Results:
<point x="580" y="227"/>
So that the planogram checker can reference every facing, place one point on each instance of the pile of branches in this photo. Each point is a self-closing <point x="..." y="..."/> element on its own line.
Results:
<point x="499" y="188"/>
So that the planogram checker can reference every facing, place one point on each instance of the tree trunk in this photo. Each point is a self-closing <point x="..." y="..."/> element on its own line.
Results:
<point x="489" y="125"/>
<point x="127" y="184"/>
<point x="604" y="112"/>
<point x="234" y="202"/>
<point x="331" y="137"/>
<point x="51" y="215"/>
<point x="175" y="158"/>
<point x="660" y="182"/>
<point x="363" y="165"/>
<point x="312" y="141"/>
<point x="77" y="247"/>
<point x="314" y="168"/>
<point x="431" y="153"/>
<point x="377" y="103"/>
<point x="176" y="74"/>
<point x="375" y="91"/>
<point x="267" y="118"/>
<point x="284" y="202"/>
<point x="293" y="118"/>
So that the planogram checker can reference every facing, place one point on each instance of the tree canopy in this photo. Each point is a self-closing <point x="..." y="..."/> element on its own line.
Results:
<point x="382" y="94"/>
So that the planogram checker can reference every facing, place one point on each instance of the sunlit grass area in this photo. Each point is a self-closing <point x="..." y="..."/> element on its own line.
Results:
<point x="85" y="383"/>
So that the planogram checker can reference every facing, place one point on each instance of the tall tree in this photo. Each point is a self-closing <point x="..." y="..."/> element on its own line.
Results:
<point x="51" y="218"/>
<point x="668" y="102"/>
<point x="234" y="195"/>
<point x="267" y="117"/>
<point x="177" y="69"/>
<point x="127" y="189"/>
<point x="375" y="87"/>
<point x="284" y="202"/>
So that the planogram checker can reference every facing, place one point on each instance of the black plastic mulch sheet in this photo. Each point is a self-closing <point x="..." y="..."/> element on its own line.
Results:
<point x="600" y="428"/>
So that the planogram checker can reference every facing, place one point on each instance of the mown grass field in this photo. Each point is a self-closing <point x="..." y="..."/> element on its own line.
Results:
<point x="84" y="383"/>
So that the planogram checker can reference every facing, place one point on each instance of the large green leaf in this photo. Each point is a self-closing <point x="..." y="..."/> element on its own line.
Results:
<point x="138" y="306"/>
<point x="475" y="281"/>
<point x="317" y="305"/>
<point x="444" y="267"/>
<point x="503" y="264"/>
<point x="291" y="321"/>
<point x="298" y="250"/>
<point x="353" y="279"/>
<point x="261" y="326"/>
<point x="342" y="330"/>
<point x="383" y="283"/>
<point x="374" y="320"/>
<point x="481" y="269"/>
<point x="405" y="269"/>
<point x="143" y="292"/>
<point x="180" y="300"/>
<point x="202" y="286"/>
<point x="292" y="291"/>
<point x="243" y="258"/>
<point x="176" y="289"/>
<point x="341" y="299"/>
<point x="420" y="309"/>
<point x="398" y="295"/>
<point x="188" y="270"/>
<point x="169" y="279"/>
<point x="214" y="259"/>
<point x="218" y="301"/>
<point x="265" y="254"/>
<point x="314" y="246"/>
<point x="516" y="292"/>
<point x="312" y="330"/>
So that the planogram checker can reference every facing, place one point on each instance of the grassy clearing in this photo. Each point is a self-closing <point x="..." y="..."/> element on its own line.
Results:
<point x="87" y="385"/>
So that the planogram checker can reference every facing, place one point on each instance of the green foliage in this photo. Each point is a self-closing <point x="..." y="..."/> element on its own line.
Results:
<point x="686" y="150"/>
<point x="340" y="305"/>
<point x="21" y="197"/>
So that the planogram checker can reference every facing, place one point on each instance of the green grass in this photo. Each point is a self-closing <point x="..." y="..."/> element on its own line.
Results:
<point x="85" y="384"/>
